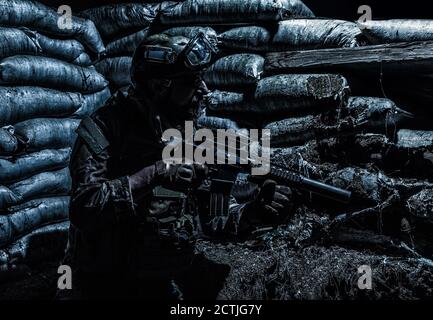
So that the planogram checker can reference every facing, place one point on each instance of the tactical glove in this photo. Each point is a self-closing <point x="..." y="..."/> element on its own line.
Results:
<point x="272" y="205"/>
<point x="180" y="177"/>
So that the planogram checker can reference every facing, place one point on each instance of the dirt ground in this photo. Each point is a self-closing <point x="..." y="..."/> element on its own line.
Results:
<point x="245" y="271"/>
<point x="318" y="273"/>
<point x="38" y="284"/>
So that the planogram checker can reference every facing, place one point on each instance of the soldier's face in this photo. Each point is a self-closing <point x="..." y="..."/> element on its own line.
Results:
<point x="182" y="91"/>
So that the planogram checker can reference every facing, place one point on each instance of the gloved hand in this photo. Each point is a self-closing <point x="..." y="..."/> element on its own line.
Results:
<point x="174" y="177"/>
<point x="272" y="204"/>
<point x="202" y="89"/>
<point x="180" y="177"/>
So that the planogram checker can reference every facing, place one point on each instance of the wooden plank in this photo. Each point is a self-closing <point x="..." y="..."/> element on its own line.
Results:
<point x="414" y="57"/>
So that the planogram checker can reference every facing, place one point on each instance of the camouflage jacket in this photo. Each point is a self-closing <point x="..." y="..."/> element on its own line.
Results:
<point x="111" y="232"/>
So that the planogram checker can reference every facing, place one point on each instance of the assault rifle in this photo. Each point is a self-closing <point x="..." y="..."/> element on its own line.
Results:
<point x="223" y="177"/>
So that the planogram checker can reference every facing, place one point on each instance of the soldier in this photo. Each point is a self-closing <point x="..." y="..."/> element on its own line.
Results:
<point x="124" y="241"/>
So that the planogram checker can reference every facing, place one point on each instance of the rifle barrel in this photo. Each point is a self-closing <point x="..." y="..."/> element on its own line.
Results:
<point x="326" y="190"/>
<point x="317" y="187"/>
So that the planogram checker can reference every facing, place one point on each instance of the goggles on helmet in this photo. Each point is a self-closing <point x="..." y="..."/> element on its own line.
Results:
<point x="199" y="51"/>
<point x="196" y="55"/>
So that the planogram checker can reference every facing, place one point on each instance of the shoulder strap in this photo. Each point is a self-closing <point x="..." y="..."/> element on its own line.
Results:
<point x="93" y="136"/>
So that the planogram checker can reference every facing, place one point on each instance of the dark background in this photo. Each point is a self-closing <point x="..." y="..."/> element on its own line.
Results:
<point x="343" y="9"/>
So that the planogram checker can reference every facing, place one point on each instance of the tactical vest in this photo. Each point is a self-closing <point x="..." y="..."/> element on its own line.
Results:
<point x="161" y="238"/>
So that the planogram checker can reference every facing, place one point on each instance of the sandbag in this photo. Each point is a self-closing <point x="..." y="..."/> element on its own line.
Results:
<point x="9" y="143"/>
<point x="374" y="186"/>
<point x="32" y="215"/>
<point x="297" y="94"/>
<point x="82" y="60"/>
<point x="420" y="205"/>
<point x="235" y="70"/>
<point x="301" y="92"/>
<point x="216" y="11"/>
<point x="126" y="45"/>
<point x="84" y="31"/>
<point x="376" y="114"/>
<point x="251" y="38"/>
<point x="37" y="16"/>
<point x="92" y="102"/>
<point x="294" y="34"/>
<point x="15" y="41"/>
<point x="215" y="123"/>
<point x="8" y="198"/>
<point x="23" y="41"/>
<point x="362" y="150"/>
<point x="42" y="184"/>
<point x="38" y="245"/>
<point x="397" y="30"/>
<point x="116" y="70"/>
<point x="23" y="103"/>
<point x="359" y="150"/>
<point x="223" y="102"/>
<point x="293" y="131"/>
<point x="23" y="167"/>
<point x="305" y="34"/>
<point x="51" y="73"/>
<point x="362" y="114"/>
<point x="190" y="31"/>
<point x="414" y="139"/>
<point x="46" y="133"/>
<point x="298" y="131"/>
<point x="300" y="158"/>
<point x="112" y="20"/>
<point x="68" y="50"/>
<point x="371" y="186"/>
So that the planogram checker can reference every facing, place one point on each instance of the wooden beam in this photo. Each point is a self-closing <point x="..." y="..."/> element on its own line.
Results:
<point x="414" y="57"/>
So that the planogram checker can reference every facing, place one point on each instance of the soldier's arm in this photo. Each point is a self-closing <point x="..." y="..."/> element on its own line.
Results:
<point x="97" y="197"/>
<point x="96" y="200"/>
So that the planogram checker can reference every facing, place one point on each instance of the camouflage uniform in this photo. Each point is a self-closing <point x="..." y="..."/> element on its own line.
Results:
<point x="118" y="245"/>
